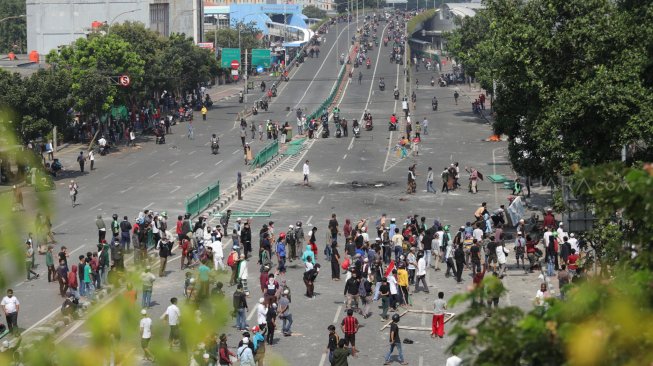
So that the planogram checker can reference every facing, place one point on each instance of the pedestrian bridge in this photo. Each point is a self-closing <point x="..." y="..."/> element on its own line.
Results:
<point x="290" y="33"/>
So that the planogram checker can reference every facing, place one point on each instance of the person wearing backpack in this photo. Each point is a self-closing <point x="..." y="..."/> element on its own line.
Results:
<point x="232" y="262"/>
<point x="292" y="243"/>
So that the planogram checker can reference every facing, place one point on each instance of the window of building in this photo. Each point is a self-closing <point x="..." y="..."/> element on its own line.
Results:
<point x="160" y="18"/>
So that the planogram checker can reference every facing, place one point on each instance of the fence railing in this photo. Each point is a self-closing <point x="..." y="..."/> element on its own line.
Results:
<point x="265" y="155"/>
<point x="203" y="199"/>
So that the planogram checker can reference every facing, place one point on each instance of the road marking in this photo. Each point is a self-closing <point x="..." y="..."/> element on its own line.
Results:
<point x="153" y="175"/>
<point x="387" y="155"/>
<point x="320" y="201"/>
<point x="207" y="143"/>
<point x="326" y="58"/>
<point x="218" y="163"/>
<point x="174" y="162"/>
<point x="192" y="152"/>
<point x="335" y="318"/>
<point x="351" y="144"/>
<point x="108" y="175"/>
<point x="127" y="189"/>
<point x="344" y="157"/>
<point x="308" y="222"/>
<point x="235" y="151"/>
<point x="148" y="206"/>
<point x="270" y="195"/>
<point x="176" y="189"/>
<point x="421" y="361"/>
<point x="330" y="183"/>
<point x="96" y="206"/>
<point x="337" y="170"/>
<point x="198" y="175"/>
<point x="132" y="163"/>
<point x="251" y="313"/>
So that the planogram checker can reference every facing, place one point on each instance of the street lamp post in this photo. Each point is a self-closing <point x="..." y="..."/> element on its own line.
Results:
<point x="116" y="17"/>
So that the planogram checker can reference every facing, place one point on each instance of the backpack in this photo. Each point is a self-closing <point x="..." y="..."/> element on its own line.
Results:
<point x="231" y="261"/>
<point x="290" y="237"/>
<point x="345" y="264"/>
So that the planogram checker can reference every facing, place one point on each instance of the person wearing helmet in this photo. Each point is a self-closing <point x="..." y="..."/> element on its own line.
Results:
<point x="299" y="237"/>
<point x="395" y="341"/>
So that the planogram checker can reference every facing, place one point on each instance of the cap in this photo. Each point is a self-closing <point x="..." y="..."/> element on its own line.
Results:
<point x="255" y="328"/>
<point x="143" y="312"/>
<point x="378" y="239"/>
<point x="571" y="235"/>
<point x="238" y="219"/>
<point x="245" y="340"/>
<point x="291" y="227"/>
<point x="261" y="300"/>
<point x="282" y="235"/>
<point x="286" y="292"/>
<point x="366" y="259"/>
<point x="519" y="233"/>
<point x="393" y="219"/>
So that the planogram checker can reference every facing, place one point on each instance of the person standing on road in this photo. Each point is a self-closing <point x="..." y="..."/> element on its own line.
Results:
<point x="73" y="188"/>
<point x="164" y="253"/>
<point x="49" y="262"/>
<point x="360" y="77"/>
<point x="239" y="185"/>
<point x="190" y="134"/>
<point x="125" y="229"/>
<point x="240" y="307"/>
<point x="101" y="228"/>
<point x="10" y="307"/>
<point x="284" y="313"/>
<point x="204" y="111"/>
<point x="395" y="341"/>
<point x="429" y="181"/>
<point x="146" y="334"/>
<point x="29" y="261"/>
<point x="91" y="158"/>
<point x="172" y="315"/>
<point x="306" y="170"/>
<point x="455" y="96"/>
<point x="62" y="274"/>
<point x="437" y="324"/>
<point x="81" y="160"/>
<point x="425" y="126"/>
<point x="350" y="327"/>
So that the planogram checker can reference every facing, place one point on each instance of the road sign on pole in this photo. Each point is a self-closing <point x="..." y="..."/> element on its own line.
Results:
<point x="124" y="80"/>
<point x="228" y="55"/>
<point x="235" y="65"/>
<point x="261" y="57"/>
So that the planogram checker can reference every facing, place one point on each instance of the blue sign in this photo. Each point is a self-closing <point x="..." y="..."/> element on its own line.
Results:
<point x="259" y="69"/>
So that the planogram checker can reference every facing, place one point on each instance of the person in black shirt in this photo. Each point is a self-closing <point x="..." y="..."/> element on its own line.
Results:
<point x="384" y="293"/>
<point x="351" y="291"/>
<point x="333" y="341"/>
<point x="395" y="341"/>
<point x="271" y="323"/>
<point x="309" y="280"/>
<point x="246" y="239"/>
<point x="475" y="254"/>
<point x="459" y="256"/>
<point x="335" y="262"/>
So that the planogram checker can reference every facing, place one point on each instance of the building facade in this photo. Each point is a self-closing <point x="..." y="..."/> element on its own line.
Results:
<point x="52" y="23"/>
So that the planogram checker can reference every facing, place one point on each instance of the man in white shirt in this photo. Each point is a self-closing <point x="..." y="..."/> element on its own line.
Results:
<point x="172" y="315"/>
<point x="421" y="273"/>
<point x="306" y="170"/>
<point x="146" y="334"/>
<point x="397" y="240"/>
<point x="477" y="234"/>
<point x="11" y="306"/>
<point x="425" y="126"/>
<point x="573" y="242"/>
<point x="261" y="313"/>
<point x="394" y="298"/>
<point x="561" y="230"/>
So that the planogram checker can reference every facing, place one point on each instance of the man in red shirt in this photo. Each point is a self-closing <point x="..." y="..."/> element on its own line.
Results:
<point x="349" y="327"/>
<point x="179" y="229"/>
<point x="573" y="259"/>
<point x="549" y="220"/>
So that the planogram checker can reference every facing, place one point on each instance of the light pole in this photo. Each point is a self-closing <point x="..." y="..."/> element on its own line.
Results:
<point x="116" y="17"/>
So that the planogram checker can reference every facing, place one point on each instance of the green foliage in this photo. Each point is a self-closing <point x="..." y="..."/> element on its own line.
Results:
<point x="571" y="76"/>
<point x="418" y="19"/>
<point x="13" y="32"/>
<point x="186" y="64"/>
<point x="313" y="11"/>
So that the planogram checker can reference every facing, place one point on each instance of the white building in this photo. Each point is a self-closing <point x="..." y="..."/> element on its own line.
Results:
<point x="52" y="23"/>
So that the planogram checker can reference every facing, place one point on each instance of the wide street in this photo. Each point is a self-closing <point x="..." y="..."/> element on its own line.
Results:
<point x="352" y="177"/>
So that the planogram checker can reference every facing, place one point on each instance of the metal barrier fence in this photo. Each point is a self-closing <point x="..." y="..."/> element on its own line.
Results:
<point x="203" y="199"/>
<point x="265" y="155"/>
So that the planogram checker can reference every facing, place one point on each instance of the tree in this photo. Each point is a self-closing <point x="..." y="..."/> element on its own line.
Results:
<point x="94" y="64"/>
<point x="605" y="319"/>
<point x="186" y="64"/>
<point x="564" y="95"/>
<point x="13" y="32"/>
<point x="313" y="11"/>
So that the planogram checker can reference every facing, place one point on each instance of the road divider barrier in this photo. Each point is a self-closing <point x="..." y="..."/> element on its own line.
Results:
<point x="203" y="199"/>
<point x="265" y="155"/>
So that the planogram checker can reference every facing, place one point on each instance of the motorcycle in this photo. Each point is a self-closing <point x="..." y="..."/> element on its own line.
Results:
<point x="342" y="61"/>
<point x="434" y="105"/>
<point x="240" y="97"/>
<point x="369" y="63"/>
<point x="413" y="97"/>
<point x="336" y="117"/>
<point x="274" y="91"/>
<point x="382" y="86"/>
<point x="214" y="147"/>
<point x="432" y="82"/>
<point x="254" y="111"/>
<point x="160" y="138"/>
<point x="338" y="130"/>
<point x="368" y="124"/>
<point x="357" y="131"/>
<point x="396" y="94"/>
<point x="392" y="126"/>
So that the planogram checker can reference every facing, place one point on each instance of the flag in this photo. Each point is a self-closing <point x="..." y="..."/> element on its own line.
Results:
<point x="388" y="271"/>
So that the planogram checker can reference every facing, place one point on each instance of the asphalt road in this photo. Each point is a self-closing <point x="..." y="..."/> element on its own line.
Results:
<point x="455" y="134"/>
<point x="162" y="177"/>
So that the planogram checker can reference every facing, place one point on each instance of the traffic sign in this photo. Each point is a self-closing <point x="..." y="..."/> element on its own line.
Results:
<point x="124" y="80"/>
<point x="235" y="64"/>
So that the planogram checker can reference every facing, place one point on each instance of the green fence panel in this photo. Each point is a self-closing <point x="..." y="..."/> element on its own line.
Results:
<point x="203" y="199"/>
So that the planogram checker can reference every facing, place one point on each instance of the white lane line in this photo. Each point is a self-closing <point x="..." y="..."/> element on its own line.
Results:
<point x="153" y="175"/>
<point x="270" y="195"/>
<point x="176" y="189"/>
<point x="207" y="143"/>
<point x="132" y="163"/>
<point x="308" y="222"/>
<point x="421" y="361"/>
<point x="198" y="175"/>
<point x="108" y="175"/>
<point x="251" y="313"/>
<point x="192" y="152"/>
<point x="96" y="206"/>
<point x="337" y="170"/>
<point x="174" y="162"/>
<point x="148" y="206"/>
<point x="320" y="201"/>
<point x="326" y="58"/>
<point x="330" y="183"/>
<point x="351" y="144"/>
<point x="218" y="163"/>
<point x="344" y="157"/>
<point x="335" y="318"/>
<point x="387" y="155"/>
<point x="235" y="151"/>
<point x="127" y="189"/>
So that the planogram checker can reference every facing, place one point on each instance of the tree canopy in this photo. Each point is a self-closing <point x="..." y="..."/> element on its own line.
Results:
<point x="572" y="78"/>
<point x="13" y="32"/>
<point x="313" y="11"/>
